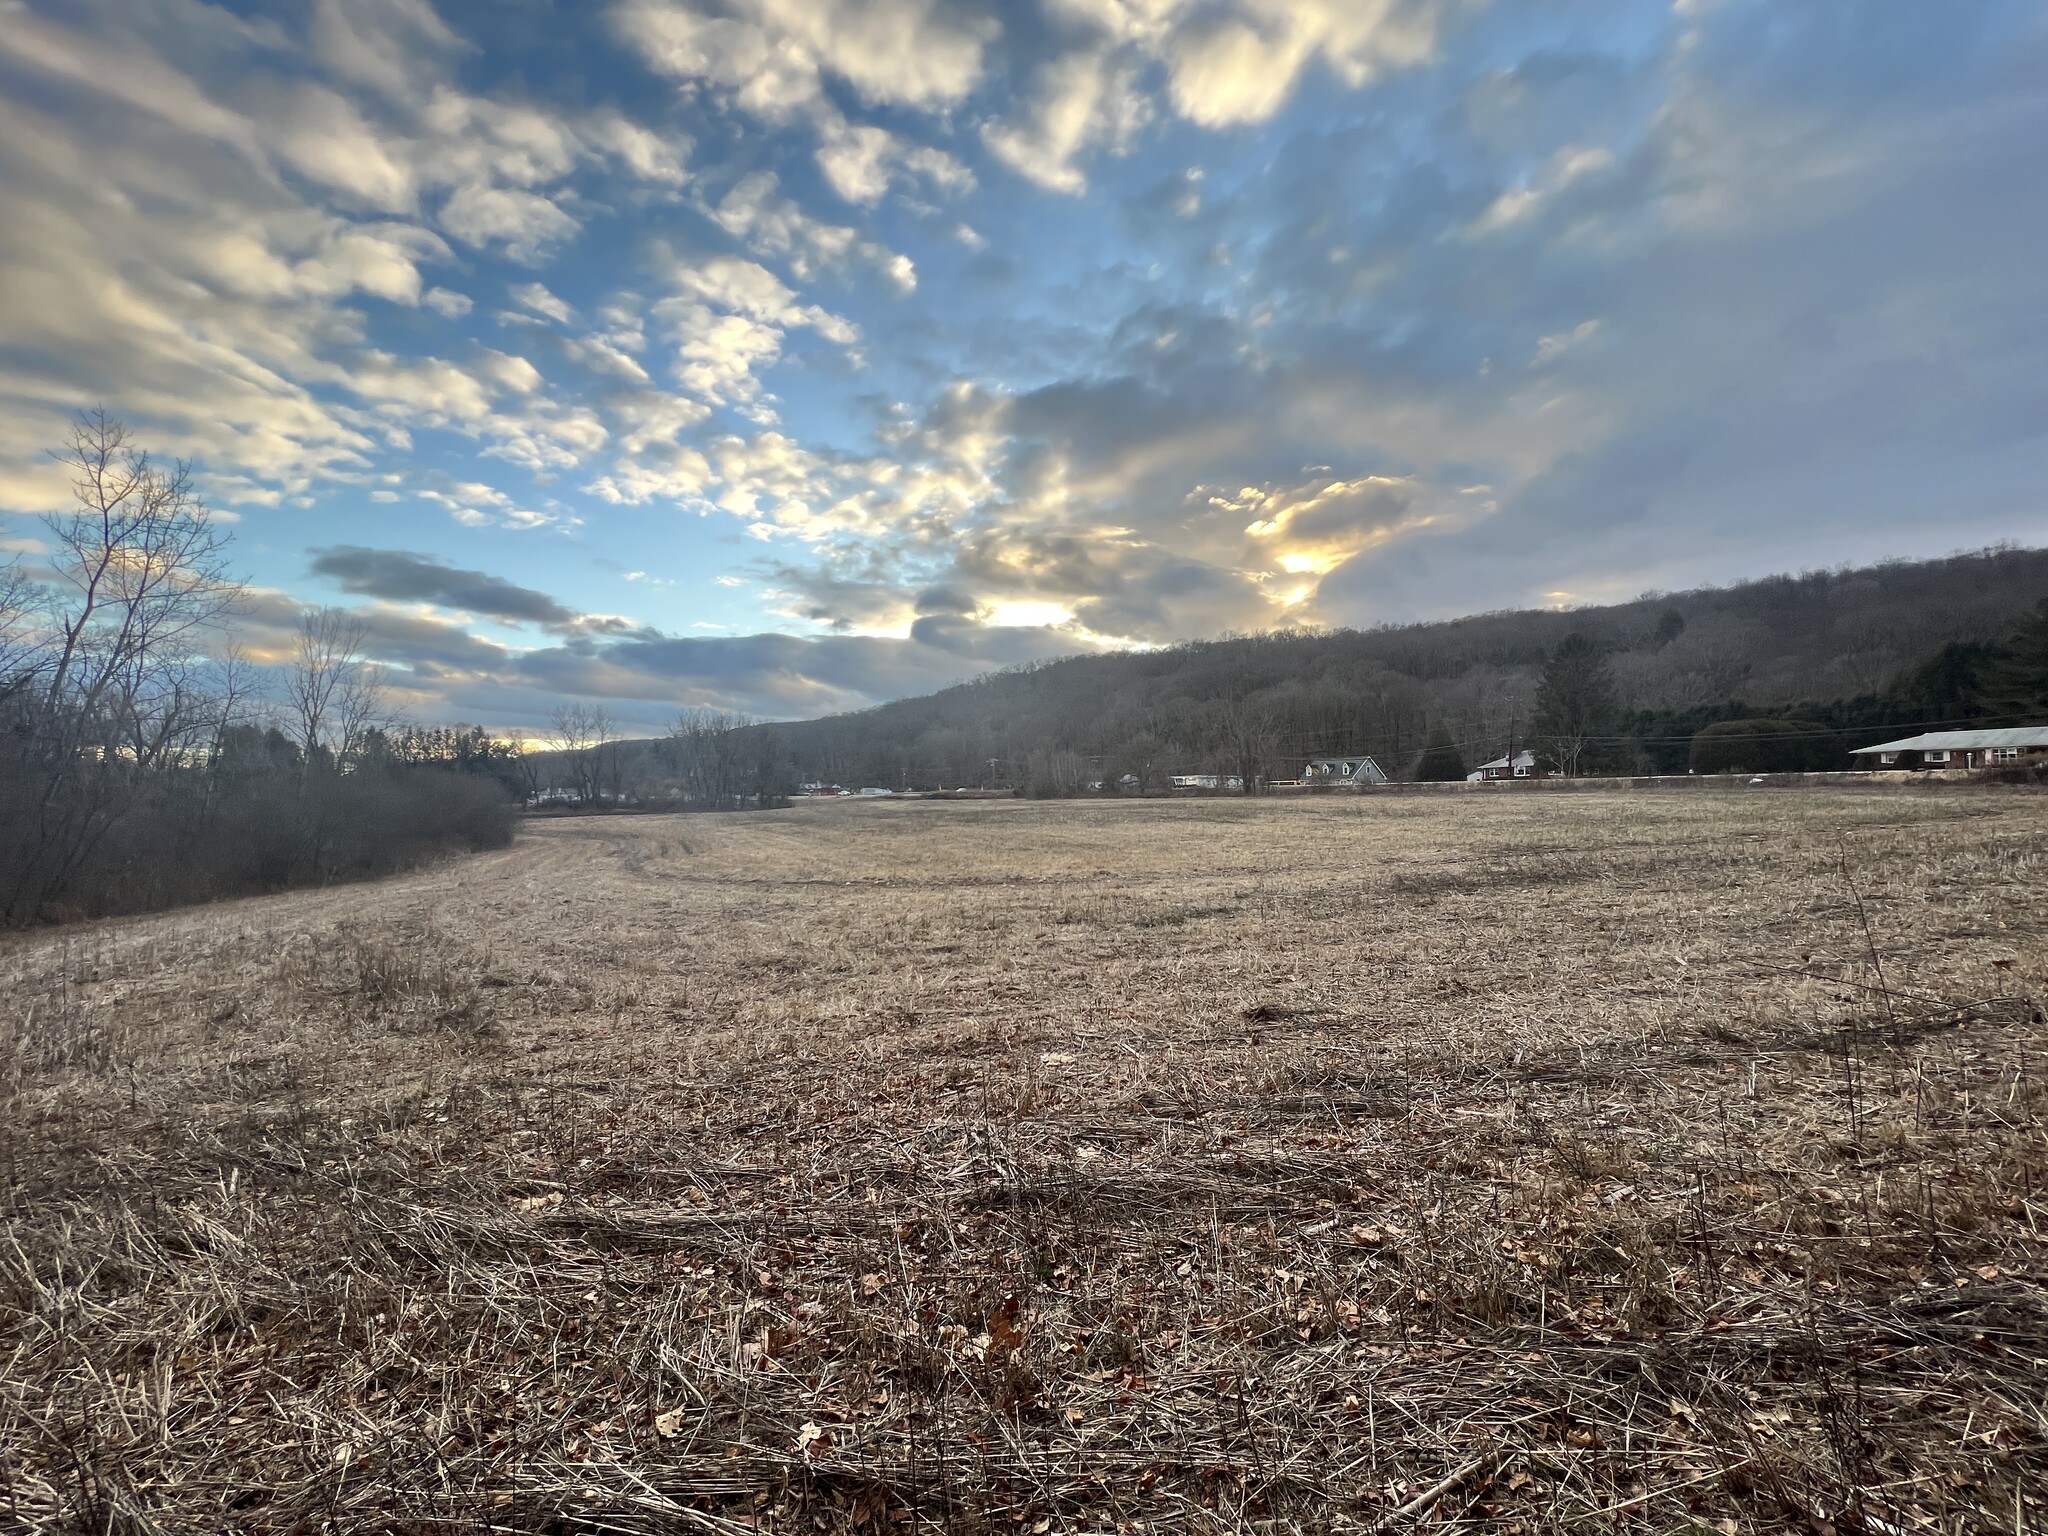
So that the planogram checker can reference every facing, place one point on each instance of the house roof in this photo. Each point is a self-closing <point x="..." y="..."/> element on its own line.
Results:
<point x="1356" y="765"/>
<point x="1522" y="759"/>
<point x="1964" y="741"/>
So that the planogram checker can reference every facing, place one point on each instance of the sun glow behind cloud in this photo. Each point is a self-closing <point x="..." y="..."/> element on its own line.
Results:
<point x="1013" y="614"/>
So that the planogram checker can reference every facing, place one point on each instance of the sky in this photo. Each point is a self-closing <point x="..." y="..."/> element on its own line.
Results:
<point x="791" y="355"/>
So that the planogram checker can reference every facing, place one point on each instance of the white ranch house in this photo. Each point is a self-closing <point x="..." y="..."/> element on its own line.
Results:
<point x="1960" y="749"/>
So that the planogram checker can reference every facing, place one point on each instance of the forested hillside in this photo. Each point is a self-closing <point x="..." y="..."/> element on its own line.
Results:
<point x="1862" y="650"/>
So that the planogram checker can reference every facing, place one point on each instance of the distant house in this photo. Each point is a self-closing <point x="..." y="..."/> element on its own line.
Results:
<point x="1322" y="772"/>
<point x="1207" y="781"/>
<point x="1522" y="765"/>
<point x="1960" y="749"/>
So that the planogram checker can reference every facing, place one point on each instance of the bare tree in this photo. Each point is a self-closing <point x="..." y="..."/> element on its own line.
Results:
<point x="525" y="765"/>
<point x="335" y="694"/>
<point x="1251" y="731"/>
<point x="717" y="759"/>
<point x="1055" y="772"/>
<point x="139" y="570"/>
<point x="105" y="683"/>
<point x="237" y="685"/>
<point x="361" y="705"/>
<point x="22" y="648"/>
<point x="584" y="734"/>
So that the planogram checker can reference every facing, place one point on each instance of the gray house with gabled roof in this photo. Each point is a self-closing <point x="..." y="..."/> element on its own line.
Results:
<point x="1358" y="769"/>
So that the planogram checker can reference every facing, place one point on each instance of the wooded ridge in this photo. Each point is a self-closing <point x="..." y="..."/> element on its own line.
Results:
<point x="1860" y="650"/>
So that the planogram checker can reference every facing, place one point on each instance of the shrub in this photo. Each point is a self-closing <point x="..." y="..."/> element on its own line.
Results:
<point x="199" y="836"/>
<point x="1767" y="746"/>
<point x="1441" y="761"/>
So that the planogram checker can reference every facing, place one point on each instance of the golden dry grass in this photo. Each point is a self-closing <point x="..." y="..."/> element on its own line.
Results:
<point x="1531" y="1162"/>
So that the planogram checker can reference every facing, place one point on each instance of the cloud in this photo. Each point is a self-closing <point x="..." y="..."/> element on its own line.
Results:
<point x="441" y="671"/>
<point x="128" y="74"/>
<point x="1550" y="348"/>
<point x="862" y="161"/>
<point x="535" y="296"/>
<point x="1311" y="529"/>
<point x="727" y="321"/>
<point x="1226" y="65"/>
<point x="750" y="289"/>
<point x="773" y="59"/>
<point x="203" y="314"/>
<point x="395" y="47"/>
<point x="652" y="157"/>
<point x="773" y="55"/>
<point x="681" y="475"/>
<point x="522" y="223"/>
<point x="783" y="676"/>
<point x="216" y="279"/>
<point x="773" y="225"/>
<point x="431" y="657"/>
<point x="396" y="575"/>
<point x="1241" y="64"/>
<point x="324" y="137"/>
<point x="1079" y="103"/>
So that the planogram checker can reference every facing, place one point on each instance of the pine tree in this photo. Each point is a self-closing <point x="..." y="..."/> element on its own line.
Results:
<point x="1575" y="702"/>
<point x="1950" y="685"/>
<point x="2016" y="686"/>
<point x="1441" y="762"/>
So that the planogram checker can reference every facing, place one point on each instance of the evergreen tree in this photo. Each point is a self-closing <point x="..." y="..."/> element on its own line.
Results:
<point x="2016" y="685"/>
<point x="1441" y="762"/>
<point x="1575" y="703"/>
<point x="1950" y="684"/>
<point x="1767" y="745"/>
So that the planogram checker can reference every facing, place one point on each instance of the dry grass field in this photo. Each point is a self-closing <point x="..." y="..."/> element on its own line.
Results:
<point x="1592" y="1162"/>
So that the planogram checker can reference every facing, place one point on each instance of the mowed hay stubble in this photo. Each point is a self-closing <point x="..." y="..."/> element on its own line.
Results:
<point x="1541" y="1161"/>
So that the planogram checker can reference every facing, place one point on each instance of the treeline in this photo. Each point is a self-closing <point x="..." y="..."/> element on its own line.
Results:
<point x="1864" y="653"/>
<point x="709" y="760"/>
<point x="143" y="763"/>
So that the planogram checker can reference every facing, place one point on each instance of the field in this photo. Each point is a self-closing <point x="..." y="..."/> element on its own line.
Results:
<point x="1607" y="1161"/>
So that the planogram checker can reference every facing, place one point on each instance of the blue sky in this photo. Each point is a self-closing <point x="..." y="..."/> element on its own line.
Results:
<point x="794" y="354"/>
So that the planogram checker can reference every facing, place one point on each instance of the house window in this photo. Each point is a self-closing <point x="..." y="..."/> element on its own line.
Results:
<point x="1937" y="757"/>
<point x="1888" y="758"/>
<point x="2003" y="754"/>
